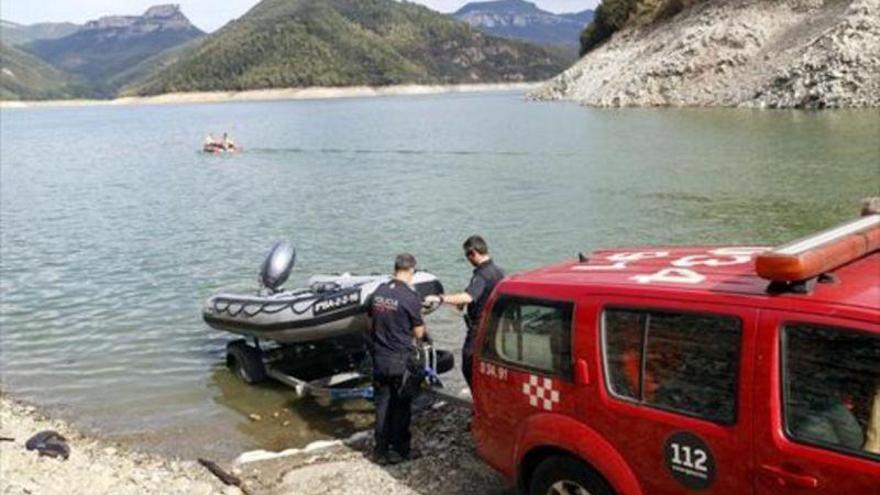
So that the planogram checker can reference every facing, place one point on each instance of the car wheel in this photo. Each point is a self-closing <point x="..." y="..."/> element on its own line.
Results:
<point x="559" y="475"/>
<point x="246" y="362"/>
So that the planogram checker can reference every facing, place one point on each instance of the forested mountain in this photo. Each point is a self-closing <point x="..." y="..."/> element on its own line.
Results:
<point x="583" y="17"/>
<point x="103" y="49"/>
<point x="523" y="20"/>
<point x="295" y="43"/>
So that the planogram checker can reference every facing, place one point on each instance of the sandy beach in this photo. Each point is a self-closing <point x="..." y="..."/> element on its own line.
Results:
<point x="449" y="465"/>
<point x="314" y="93"/>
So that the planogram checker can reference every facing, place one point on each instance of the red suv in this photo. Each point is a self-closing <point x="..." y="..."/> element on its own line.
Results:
<point x="727" y="370"/>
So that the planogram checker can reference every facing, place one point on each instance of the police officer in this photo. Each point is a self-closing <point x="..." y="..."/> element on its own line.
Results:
<point x="485" y="277"/>
<point x="395" y="312"/>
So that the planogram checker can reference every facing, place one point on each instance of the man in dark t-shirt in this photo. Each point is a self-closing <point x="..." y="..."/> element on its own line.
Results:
<point x="395" y="312"/>
<point x="483" y="281"/>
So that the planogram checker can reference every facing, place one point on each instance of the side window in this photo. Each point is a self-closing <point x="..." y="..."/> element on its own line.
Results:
<point x="831" y="394"/>
<point x="531" y="333"/>
<point x="686" y="363"/>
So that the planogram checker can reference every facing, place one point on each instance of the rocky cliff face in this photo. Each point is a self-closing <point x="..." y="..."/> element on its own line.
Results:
<point x="524" y="20"/>
<point x="752" y="53"/>
<point x="156" y="18"/>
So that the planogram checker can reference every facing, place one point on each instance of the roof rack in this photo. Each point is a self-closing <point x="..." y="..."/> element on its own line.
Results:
<point x="789" y="267"/>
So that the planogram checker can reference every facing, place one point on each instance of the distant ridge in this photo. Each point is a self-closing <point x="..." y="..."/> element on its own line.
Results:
<point x="523" y="20"/>
<point x="298" y="43"/>
<point x="102" y="49"/>
<point x="14" y="34"/>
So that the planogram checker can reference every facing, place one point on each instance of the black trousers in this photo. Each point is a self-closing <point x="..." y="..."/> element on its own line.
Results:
<point x="467" y="361"/>
<point x="393" y="415"/>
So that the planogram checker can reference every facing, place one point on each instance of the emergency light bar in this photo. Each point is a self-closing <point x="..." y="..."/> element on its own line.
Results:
<point x="811" y="256"/>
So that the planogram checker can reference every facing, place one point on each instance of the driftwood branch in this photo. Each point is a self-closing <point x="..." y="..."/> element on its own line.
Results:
<point x="7" y="439"/>
<point x="222" y="475"/>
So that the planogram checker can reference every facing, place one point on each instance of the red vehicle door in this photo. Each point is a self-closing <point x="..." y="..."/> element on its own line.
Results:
<point x="674" y="394"/>
<point x="524" y="368"/>
<point x="817" y="412"/>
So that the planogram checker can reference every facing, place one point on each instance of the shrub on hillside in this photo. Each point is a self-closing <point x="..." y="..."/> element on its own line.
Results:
<point x="613" y="15"/>
<point x="610" y="16"/>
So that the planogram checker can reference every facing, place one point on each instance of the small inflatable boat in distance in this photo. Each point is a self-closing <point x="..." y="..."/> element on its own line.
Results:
<point x="330" y="306"/>
<point x="218" y="148"/>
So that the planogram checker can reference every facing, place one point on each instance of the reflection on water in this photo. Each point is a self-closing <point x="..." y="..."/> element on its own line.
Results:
<point x="114" y="229"/>
<point x="285" y="421"/>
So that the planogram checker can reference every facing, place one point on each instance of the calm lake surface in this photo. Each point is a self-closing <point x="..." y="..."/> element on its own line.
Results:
<point x="114" y="229"/>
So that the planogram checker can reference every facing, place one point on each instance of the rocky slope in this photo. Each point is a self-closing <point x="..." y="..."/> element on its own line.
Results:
<point x="523" y="20"/>
<point x="95" y="466"/>
<point x="753" y="53"/>
<point x="297" y="43"/>
<point x="102" y="49"/>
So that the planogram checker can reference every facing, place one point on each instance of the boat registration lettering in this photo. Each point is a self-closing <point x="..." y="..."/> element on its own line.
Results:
<point x="337" y="302"/>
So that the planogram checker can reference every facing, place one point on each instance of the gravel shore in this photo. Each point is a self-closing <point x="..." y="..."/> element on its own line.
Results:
<point x="449" y="465"/>
<point x="94" y="467"/>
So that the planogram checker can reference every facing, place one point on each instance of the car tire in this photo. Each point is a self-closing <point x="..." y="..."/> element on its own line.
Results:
<point x="246" y="362"/>
<point x="561" y="475"/>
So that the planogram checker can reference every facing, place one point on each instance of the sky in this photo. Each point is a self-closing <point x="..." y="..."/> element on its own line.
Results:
<point x="206" y="14"/>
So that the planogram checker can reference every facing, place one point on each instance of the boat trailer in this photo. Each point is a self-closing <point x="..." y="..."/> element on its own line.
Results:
<point x="338" y="369"/>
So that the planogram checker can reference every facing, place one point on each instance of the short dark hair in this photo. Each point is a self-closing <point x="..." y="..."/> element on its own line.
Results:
<point x="404" y="261"/>
<point x="475" y="243"/>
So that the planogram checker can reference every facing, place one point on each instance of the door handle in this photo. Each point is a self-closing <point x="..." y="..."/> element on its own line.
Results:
<point x="581" y="372"/>
<point x="789" y="479"/>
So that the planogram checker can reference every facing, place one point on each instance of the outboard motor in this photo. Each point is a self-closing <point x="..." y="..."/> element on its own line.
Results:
<point x="276" y="269"/>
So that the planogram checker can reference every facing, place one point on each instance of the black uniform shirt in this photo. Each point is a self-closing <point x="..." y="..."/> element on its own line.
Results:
<point x="395" y="310"/>
<point x="486" y="276"/>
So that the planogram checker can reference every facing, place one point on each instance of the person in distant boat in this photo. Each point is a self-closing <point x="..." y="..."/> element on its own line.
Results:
<point x="395" y="313"/>
<point x="485" y="277"/>
<point x="227" y="142"/>
<point x="210" y="141"/>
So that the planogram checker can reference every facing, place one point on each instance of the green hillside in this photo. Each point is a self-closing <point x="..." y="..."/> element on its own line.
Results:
<point x="295" y="43"/>
<point x="25" y="77"/>
<point x="152" y="65"/>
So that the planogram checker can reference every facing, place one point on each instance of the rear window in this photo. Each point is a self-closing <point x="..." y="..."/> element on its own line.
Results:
<point x="685" y="363"/>
<point x="531" y="333"/>
<point x="831" y="380"/>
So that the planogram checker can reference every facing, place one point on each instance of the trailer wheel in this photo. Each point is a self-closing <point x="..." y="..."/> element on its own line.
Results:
<point x="246" y="362"/>
<point x="445" y="361"/>
<point x="561" y="475"/>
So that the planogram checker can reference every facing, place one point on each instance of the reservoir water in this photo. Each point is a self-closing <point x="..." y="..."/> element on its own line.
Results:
<point x="114" y="229"/>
